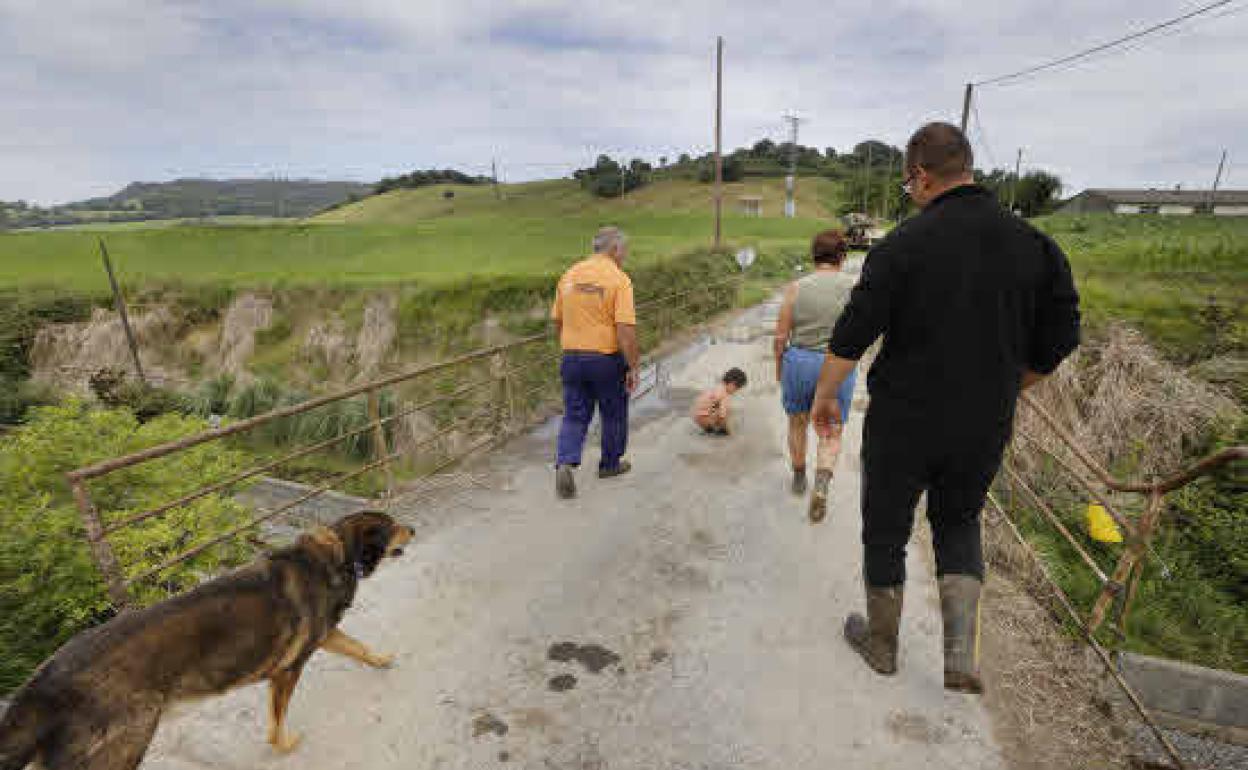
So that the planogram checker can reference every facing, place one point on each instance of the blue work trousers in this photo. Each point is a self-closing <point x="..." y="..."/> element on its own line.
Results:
<point x="589" y="380"/>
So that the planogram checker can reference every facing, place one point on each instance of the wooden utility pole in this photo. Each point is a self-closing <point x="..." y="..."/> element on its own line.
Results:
<point x="866" y="182"/>
<point x="1217" y="180"/>
<point x="888" y="190"/>
<point x="719" y="135"/>
<point x="494" y="178"/>
<point x="120" y="303"/>
<point x="966" y="105"/>
<point x="1018" y="163"/>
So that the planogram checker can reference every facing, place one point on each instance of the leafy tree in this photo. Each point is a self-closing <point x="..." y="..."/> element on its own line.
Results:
<point x="49" y="586"/>
<point x="608" y="179"/>
<point x="426" y="178"/>
<point x="1036" y="191"/>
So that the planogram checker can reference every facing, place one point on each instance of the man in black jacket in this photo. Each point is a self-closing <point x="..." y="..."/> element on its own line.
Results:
<point x="975" y="305"/>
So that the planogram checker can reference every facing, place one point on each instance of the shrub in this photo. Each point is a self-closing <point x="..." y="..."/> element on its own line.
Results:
<point x="16" y="397"/>
<point x="115" y="390"/>
<point x="49" y="586"/>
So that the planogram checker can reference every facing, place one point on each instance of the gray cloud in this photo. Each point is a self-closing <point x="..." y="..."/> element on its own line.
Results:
<point x="100" y="92"/>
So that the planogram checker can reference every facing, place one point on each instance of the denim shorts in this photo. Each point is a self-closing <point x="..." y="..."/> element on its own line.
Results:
<point x="799" y="376"/>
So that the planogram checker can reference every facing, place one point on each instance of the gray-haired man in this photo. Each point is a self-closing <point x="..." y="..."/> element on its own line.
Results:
<point x="597" y="329"/>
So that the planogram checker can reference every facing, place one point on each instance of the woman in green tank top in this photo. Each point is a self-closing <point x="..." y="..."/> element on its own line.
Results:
<point x="810" y="309"/>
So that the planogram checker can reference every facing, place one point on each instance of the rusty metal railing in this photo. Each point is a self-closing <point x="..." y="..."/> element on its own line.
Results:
<point x="493" y="392"/>
<point x="1119" y="587"/>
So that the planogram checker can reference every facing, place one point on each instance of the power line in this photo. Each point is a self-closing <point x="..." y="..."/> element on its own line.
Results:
<point x="1105" y="46"/>
<point x="983" y="136"/>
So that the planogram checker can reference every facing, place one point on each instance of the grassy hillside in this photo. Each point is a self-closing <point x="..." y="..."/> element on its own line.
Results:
<point x="410" y="235"/>
<point x="816" y="198"/>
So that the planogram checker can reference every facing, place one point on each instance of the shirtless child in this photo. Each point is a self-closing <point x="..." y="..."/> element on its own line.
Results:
<point x="710" y="410"/>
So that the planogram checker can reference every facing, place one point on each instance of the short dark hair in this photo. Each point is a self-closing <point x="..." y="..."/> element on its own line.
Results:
<point x="829" y="247"/>
<point x="735" y="376"/>
<point x="941" y="149"/>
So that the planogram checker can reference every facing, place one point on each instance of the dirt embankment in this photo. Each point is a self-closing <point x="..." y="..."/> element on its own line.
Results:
<point x="178" y="352"/>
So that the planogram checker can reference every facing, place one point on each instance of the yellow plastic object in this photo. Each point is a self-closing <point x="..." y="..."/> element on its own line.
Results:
<point x="1101" y="526"/>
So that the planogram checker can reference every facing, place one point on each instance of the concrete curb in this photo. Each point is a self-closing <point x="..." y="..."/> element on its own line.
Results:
<point x="1202" y="701"/>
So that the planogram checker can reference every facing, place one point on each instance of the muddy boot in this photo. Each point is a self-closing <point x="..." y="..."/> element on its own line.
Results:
<point x="875" y="636"/>
<point x="609" y="473"/>
<point x="565" y="482"/>
<point x="799" y="481"/>
<point x="819" y="497"/>
<point x="959" y="606"/>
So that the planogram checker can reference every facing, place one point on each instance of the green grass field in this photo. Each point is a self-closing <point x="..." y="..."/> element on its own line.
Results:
<point x="405" y="236"/>
<point x="1182" y="280"/>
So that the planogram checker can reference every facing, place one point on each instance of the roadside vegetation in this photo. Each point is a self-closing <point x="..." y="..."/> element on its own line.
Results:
<point x="1158" y="383"/>
<point x="49" y="587"/>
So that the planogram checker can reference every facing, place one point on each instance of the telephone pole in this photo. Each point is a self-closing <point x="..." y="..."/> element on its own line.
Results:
<point x="966" y="105"/>
<point x="866" y="182"/>
<point x="719" y="131"/>
<point x="1217" y="180"/>
<point x="1018" y="162"/>
<point x="790" y="183"/>
<point x="888" y="189"/>
<point x="494" y="178"/>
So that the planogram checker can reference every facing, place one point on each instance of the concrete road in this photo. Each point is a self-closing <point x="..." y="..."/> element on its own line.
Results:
<point x="684" y="616"/>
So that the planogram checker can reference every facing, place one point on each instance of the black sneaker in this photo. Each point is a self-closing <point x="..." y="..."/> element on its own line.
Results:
<point x="799" y="482"/>
<point x="624" y="467"/>
<point x="565" y="482"/>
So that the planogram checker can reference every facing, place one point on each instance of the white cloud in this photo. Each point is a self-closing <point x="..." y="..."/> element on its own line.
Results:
<point x="100" y="92"/>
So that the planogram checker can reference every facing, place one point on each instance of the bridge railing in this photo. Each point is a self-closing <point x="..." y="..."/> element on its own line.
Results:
<point x="1072" y="476"/>
<point x="377" y="437"/>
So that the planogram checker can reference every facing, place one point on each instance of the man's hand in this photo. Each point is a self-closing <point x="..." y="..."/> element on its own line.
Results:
<point x="779" y="371"/>
<point x="630" y="380"/>
<point x="825" y="415"/>
<point x="826" y="411"/>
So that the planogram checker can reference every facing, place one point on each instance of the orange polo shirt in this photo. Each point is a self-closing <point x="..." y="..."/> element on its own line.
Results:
<point x="592" y="297"/>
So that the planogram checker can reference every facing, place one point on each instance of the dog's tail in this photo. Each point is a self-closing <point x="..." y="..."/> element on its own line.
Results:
<point x="21" y="729"/>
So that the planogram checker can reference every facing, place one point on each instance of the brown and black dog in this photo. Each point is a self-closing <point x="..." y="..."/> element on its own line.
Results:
<point x="95" y="704"/>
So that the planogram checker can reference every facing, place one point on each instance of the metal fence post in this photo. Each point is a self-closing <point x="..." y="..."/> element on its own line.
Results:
<point x="1137" y="544"/>
<point x="101" y="549"/>
<point x="505" y="407"/>
<point x="381" y="447"/>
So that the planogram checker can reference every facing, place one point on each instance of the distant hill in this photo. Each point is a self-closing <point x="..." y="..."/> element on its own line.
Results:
<point x="227" y="197"/>
<point x="191" y="199"/>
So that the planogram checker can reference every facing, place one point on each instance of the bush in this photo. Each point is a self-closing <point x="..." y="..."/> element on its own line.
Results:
<point x="115" y="390"/>
<point x="16" y="397"/>
<point x="49" y="586"/>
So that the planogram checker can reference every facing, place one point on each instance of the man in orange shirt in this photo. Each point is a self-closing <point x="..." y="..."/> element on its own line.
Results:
<point x="598" y="333"/>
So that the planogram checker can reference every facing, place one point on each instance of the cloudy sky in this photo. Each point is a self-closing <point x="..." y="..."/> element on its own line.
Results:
<point x="97" y="93"/>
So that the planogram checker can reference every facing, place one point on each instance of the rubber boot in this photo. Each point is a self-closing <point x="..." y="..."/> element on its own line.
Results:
<point x="798" y="486"/>
<point x="875" y="636"/>
<point x="819" y="497"/>
<point x="959" y="607"/>
<point x="565" y="482"/>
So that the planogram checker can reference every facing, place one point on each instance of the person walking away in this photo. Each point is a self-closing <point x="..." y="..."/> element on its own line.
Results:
<point x="711" y="409"/>
<point x="596" y="321"/>
<point x="810" y="307"/>
<point x="975" y="305"/>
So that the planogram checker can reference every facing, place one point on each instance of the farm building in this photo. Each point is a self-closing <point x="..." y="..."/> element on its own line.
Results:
<point x="1222" y="202"/>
